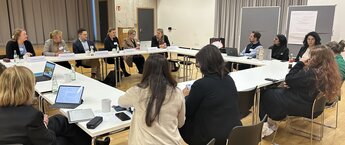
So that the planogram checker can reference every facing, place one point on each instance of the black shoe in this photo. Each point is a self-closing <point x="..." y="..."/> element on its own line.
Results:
<point x="106" y="141"/>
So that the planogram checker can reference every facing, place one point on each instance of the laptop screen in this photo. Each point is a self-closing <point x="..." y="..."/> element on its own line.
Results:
<point x="69" y="94"/>
<point x="49" y="69"/>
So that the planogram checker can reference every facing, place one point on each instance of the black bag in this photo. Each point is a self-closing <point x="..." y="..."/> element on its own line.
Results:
<point x="174" y="65"/>
<point x="110" y="79"/>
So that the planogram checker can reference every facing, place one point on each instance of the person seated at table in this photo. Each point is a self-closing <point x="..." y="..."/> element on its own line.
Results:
<point x="308" y="78"/>
<point x="20" y="44"/>
<point x="159" y="105"/>
<point x="21" y="123"/>
<point x="82" y="45"/>
<point x="132" y="42"/>
<point x="310" y="41"/>
<point x="211" y="110"/>
<point x="337" y="49"/>
<point x="279" y="48"/>
<point x="251" y="49"/>
<point x="111" y="42"/>
<point x="55" y="46"/>
<point x="160" y="40"/>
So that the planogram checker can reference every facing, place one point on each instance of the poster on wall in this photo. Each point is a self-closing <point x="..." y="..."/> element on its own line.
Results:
<point x="301" y="23"/>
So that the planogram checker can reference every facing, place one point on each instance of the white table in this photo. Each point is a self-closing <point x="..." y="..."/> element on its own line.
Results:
<point x="94" y="92"/>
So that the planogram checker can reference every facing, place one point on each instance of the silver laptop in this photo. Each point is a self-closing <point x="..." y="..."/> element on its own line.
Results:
<point x="68" y="97"/>
<point x="144" y="45"/>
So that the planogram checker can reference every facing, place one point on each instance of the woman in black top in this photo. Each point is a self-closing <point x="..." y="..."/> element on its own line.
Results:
<point x="279" y="48"/>
<point x="20" y="44"/>
<point x="308" y="78"/>
<point x="111" y="42"/>
<point x="212" y="103"/>
<point x="310" y="41"/>
<point x="160" y="40"/>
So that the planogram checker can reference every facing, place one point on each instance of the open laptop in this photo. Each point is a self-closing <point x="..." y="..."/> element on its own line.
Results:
<point x="47" y="73"/>
<point x="144" y="45"/>
<point x="68" y="97"/>
<point x="231" y="51"/>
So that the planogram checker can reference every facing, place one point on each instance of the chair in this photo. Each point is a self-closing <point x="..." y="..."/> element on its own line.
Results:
<point x="188" y="65"/>
<point x="246" y="101"/>
<point x="316" y="111"/>
<point x="212" y="142"/>
<point x="336" y="102"/>
<point x="246" y="135"/>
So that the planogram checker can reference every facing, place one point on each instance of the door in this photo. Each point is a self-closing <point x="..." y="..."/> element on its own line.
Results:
<point x="145" y="24"/>
<point x="103" y="19"/>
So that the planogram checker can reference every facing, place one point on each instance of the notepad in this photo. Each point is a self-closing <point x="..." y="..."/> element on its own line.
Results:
<point x="79" y="115"/>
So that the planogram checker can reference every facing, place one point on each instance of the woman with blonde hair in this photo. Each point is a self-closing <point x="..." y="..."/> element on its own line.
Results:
<point x="307" y="79"/>
<point x="20" y="44"/>
<point x="132" y="42"/>
<point x="55" y="46"/>
<point x="21" y="123"/>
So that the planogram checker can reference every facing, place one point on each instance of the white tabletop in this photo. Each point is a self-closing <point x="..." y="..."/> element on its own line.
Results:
<point x="94" y="92"/>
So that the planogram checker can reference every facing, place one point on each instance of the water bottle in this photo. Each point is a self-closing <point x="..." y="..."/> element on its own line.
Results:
<point x="55" y="85"/>
<point x="73" y="75"/>
<point x="291" y="60"/>
<point x="15" y="57"/>
<point x="113" y="50"/>
<point x="92" y="51"/>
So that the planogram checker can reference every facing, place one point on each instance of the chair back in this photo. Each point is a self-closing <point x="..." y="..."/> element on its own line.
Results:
<point x="246" y="135"/>
<point x="246" y="101"/>
<point x="212" y="141"/>
<point x="318" y="105"/>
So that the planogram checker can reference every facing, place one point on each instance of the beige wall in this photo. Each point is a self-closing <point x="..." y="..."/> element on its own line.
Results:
<point x="126" y="16"/>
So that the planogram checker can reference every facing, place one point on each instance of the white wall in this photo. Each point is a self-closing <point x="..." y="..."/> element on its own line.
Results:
<point x="192" y="21"/>
<point x="339" y="20"/>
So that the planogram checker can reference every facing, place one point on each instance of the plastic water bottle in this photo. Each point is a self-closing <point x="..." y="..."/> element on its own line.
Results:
<point x="73" y="75"/>
<point x="55" y="85"/>
<point x="113" y="50"/>
<point x="291" y="60"/>
<point x="15" y="57"/>
<point x="92" y="51"/>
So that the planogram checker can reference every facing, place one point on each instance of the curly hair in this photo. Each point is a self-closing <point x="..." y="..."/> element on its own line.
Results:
<point x="313" y="34"/>
<point x="326" y="69"/>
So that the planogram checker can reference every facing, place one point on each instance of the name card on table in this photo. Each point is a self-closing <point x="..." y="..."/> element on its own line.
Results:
<point x="172" y="47"/>
<point x="130" y="50"/>
<point x="101" y="53"/>
<point x="36" y="59"/>
<point x="152" y="48"/>
<point x="66" y="55"/>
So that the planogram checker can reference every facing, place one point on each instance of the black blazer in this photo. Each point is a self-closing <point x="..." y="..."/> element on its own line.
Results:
<point x="154" y="42"/>
<point x="280" y="53"/>
<point x="24" y="125"/>
<point x="299" y="98"/>
<point x="211" y="110"/>
<point x="13" y="45"/>
<point x="301" y="52"/>
<point x="78" y="48"/>
<point x="109" y="45"/>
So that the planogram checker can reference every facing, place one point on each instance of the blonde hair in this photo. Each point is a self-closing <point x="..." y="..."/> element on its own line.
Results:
<point x="160" y="30"/>
<point x="55" y="33"/>
<point x="16" y="34"/>
<point x="131" y="32"/>
<point x="17" y="86"/>
<point x="111" y="29"/>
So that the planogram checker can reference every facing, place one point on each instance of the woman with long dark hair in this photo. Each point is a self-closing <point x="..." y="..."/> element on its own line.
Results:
<point x="279" y="48"/>
<point x="159" y="105"/>
<point x="212" y="102"/>
<point x="311" y="40"/>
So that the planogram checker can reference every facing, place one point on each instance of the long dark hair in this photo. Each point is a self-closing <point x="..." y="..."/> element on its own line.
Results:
<point x="313" y="34"/>
<point x="157" y="77"/>
<point x="210" y="61"/>
<point x="282" y="40"/>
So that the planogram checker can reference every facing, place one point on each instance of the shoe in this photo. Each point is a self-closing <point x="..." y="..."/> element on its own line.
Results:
<point x="266" y="131"/>
<point x="272" y="124"/>
<point x="106" y="141"/>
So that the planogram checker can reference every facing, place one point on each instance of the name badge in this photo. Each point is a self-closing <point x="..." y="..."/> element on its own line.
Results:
<point x="115" y="43"/>
<point x="251" y="50"/>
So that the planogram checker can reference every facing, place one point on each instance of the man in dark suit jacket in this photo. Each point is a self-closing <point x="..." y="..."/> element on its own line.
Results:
<point x="81" y="45"/>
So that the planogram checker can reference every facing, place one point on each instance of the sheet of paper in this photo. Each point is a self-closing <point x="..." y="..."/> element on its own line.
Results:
<point x="301" y="23"/>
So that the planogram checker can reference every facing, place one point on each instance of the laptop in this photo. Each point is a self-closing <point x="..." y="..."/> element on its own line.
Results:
<point x="68" y="97"/>
<point x="231" y="51"/>
<point x="144" y="45"/>
<point x="47" y="73"/>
